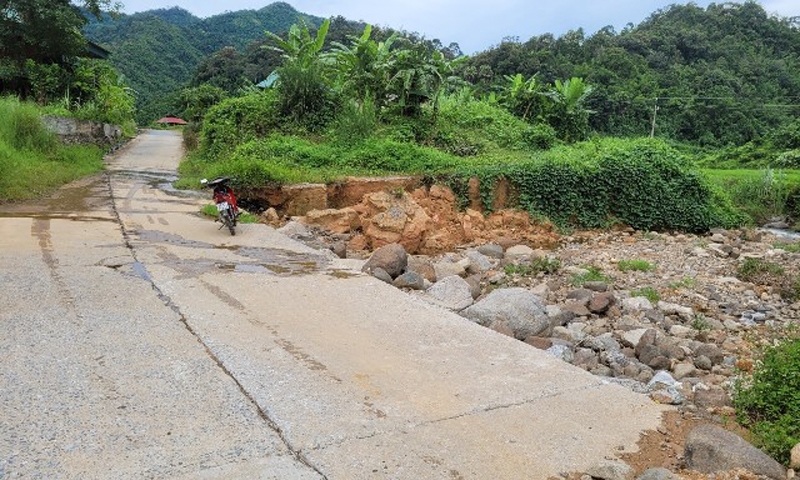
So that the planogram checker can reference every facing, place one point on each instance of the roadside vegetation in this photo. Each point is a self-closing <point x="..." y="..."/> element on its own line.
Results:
<point x="32" y="160"/>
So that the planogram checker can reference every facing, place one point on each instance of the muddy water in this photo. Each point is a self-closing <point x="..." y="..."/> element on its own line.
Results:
<point x="255" y="260"/>
<point x="86" y="199"/>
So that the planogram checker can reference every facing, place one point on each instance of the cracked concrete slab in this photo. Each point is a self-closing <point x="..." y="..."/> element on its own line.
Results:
<point x="274" y="366"/>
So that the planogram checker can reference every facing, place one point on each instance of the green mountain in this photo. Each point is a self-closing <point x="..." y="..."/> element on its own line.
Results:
<point x="159" y="51"/>
<point x="723" y="75"/>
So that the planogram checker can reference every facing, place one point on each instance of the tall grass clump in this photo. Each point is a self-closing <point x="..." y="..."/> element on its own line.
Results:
<point x="32" y="160"/>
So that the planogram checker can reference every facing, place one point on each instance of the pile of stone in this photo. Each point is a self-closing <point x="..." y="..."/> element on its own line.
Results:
<point x="679" y="352"/>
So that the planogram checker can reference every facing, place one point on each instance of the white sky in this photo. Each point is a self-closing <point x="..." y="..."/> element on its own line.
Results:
<point x="474" y="24"/>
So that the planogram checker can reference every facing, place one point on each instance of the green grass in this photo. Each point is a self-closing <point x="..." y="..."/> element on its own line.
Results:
<point x="593" y="274"/>
<point x="649" y="293"/>
<point x="725" y="177"/>
<point x="789" y="247"/>
<point x="210" y="210"/>
<point x="635" y="265"/>
<point x="685" y="282"/>
<point x="32" y="161"/>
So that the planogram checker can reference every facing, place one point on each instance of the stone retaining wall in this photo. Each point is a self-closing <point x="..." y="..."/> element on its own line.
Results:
<point x="72" y="130"/>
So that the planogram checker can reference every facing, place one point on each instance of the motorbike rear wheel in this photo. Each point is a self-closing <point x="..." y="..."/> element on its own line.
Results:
<point x="227" y="220"/>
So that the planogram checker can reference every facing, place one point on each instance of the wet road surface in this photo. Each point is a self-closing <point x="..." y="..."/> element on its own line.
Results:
<point x="140" y="341"/>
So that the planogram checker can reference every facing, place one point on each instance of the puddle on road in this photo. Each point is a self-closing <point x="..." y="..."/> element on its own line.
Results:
<point x="257" y="260"/>
<point x="69" y="202"/>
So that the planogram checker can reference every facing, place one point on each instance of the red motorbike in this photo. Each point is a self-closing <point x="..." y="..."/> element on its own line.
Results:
<point x="225" y="200"/>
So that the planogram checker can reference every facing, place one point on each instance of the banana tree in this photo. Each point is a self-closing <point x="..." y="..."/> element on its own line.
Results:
<point x="300" y="48"/>
<point x="523" y="97"/>
<point x="364" y="66"/>
<point x="421" y="75"/>
<point x="567" y="112"/>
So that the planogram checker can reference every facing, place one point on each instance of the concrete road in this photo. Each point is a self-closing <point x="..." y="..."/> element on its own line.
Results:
<point x="139" y="341"/>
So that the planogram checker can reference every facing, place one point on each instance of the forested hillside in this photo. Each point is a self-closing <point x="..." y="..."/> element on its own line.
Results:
<point x="723" y="75"/>
<point x="159" y="50"/>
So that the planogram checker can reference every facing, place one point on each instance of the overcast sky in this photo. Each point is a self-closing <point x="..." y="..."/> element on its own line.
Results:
<point x="474" y="24"/>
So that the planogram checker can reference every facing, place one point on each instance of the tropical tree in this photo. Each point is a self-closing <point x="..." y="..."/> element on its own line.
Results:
<point x="365" y="66"/>
<point x="567" y="112"/>
<point x="303" y="86"/>
<point x="40" y="40"/>
<point x="421" y="74"/>
<point x="524" y="98"/>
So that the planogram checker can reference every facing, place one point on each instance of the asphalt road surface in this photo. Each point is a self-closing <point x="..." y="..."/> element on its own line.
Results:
<point x="137" y="340"/>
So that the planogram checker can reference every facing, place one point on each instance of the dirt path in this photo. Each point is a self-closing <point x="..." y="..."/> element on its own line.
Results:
<point x="141" y="341"/>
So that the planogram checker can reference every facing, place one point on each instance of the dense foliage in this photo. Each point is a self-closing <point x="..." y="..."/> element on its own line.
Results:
<point x="768" y="402"/>
<point x="724" y="75"/>
<point x="44" y="57"/>
<point x="32" y="161"/>
<point x="160" y="51"/>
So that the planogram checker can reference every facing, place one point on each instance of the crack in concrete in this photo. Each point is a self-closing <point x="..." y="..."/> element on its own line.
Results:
<point x="478" y="411"/>
<point x="272" y="424"/>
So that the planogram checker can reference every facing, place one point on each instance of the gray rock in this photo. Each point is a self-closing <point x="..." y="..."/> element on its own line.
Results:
<point x="422" y="266"/>
<point x="631" y="338"/>
<point x="339" y="249"/>
<point x="794" y="461"/>
<point x="673" y="309"/>
<point x="580" y="295"/>
<point x="453" y="292"/>
<point x="478" y="262"/>
<point x="603" y="343"/>
<point x="662" y="380"/>
<point x="586" y="358"/>
<point x="382" y="275"/>
<point x="712" y="449"/>
<point x="635" y="304"/>
<point x="392" y="258"/>
<point x="601" y="302"/>
<point x="683" y="370"/>
<point x="296" y="230"/>
<point x="520" y="309"/>
<point x="611" y="470"/>
<point x="657" y="474"/>
<point x="576" y="308"/>
<point x="446" y="268"/>
<point x="718" y="238"/>
<point x="410" y="279"/>
<point x="596" y="286"/>
<point x="714" y="397"/>
<point x="668" y="396"/>
<point x="561" y="352"/>
<point x="491" y="250"/>
<point x="518" y="252"/>
<point x="713" y="352"/>
<point x="474" y="286"/>
<point x="703" y="363"/>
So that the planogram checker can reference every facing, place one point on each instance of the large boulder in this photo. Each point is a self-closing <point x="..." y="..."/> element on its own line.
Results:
<point x="337" y="221"/>
<point x="391" y="258"/>
<point x="392" y="218"/>
<point x="518" y="308"/>
<point x="452" y="292"/>
<point x="712" y="449"/>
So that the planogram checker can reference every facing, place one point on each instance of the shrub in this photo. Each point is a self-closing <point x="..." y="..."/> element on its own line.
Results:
<point x="547" y="265"/>
<point x="768" y="401"/>
<point x="755" y="270"/>
<point x="635" y="265"/>
<point x="649" y="293"/>
<point x="237" y="120"/>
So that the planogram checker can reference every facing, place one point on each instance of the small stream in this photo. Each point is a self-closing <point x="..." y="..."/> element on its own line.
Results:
<point x="789" y="235"/>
